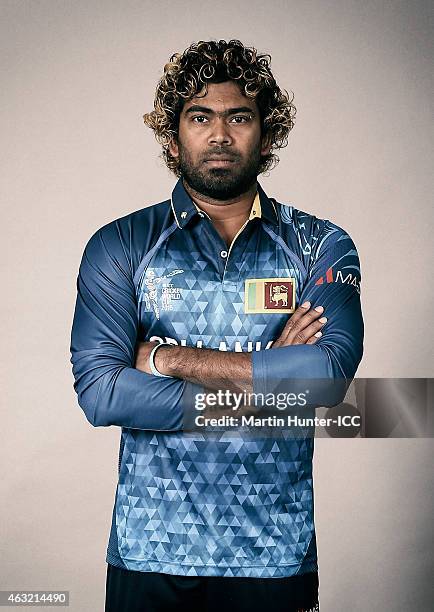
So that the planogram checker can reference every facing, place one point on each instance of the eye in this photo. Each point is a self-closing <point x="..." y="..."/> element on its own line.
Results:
<point x="199" y="119"/>
<point x="241" y="118"/>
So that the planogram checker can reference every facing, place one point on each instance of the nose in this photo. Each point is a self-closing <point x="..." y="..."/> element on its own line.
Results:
<point x="219" y="134"/>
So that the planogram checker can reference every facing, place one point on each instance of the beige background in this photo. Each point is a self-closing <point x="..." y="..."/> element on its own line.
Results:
<point x="76" y="78"/>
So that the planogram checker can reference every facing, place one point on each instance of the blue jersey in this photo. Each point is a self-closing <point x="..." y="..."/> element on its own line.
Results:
<point x="187" y="503"/>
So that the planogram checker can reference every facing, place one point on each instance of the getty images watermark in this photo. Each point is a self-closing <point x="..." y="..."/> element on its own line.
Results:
<point x="321" y="408"/>
<point x="239" y="403"/>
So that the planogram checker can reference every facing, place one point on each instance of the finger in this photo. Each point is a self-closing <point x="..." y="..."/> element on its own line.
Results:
<point x="294" y="328"/>
<point x="314" y="338"/>
<point x="308" y="332"/>
<point x="302" y="336"/>
<point x="298" y="314"/>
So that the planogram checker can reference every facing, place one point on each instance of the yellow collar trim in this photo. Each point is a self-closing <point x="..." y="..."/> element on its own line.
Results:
<point x="255" y="211"/>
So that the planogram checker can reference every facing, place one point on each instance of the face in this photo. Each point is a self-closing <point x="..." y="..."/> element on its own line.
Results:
<point x="219" y="144"/>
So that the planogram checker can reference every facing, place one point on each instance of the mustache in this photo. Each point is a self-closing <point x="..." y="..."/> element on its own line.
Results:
<point x="216" y="154"/>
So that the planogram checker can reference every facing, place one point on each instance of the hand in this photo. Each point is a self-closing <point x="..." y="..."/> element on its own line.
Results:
<point x="303" y="327"/>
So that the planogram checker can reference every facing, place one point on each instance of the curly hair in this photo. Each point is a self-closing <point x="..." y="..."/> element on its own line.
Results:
<point x="187" y="74"/>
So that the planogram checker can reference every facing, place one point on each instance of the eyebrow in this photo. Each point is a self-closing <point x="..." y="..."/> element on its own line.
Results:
<point x="196" y="108"/>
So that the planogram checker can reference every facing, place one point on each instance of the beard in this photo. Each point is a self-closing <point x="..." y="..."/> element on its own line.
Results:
<point x="220" y="183"/>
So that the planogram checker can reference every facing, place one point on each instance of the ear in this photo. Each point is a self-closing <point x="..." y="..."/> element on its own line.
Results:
<point x="266" y="144"/>
<point x="173" y="148"/>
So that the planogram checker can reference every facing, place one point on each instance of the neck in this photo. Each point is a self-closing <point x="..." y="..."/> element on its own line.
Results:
<point x="221" y="210"/>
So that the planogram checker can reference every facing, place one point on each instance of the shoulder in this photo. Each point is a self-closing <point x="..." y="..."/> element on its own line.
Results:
<point x="137" y="223"/>
<point x="125" y="240"/>
<point x="313" y="234"/>
<point x="300" y="221"/>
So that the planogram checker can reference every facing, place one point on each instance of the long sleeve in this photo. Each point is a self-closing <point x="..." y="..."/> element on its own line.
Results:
<point x="333" y="282"/>
<point x="104" y="335"/>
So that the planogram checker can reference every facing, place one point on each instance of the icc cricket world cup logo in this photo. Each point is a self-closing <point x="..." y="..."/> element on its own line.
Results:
<point x="152" y="282"/>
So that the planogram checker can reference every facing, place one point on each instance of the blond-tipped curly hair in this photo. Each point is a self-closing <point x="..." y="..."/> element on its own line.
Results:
<point x="187" y="75"/>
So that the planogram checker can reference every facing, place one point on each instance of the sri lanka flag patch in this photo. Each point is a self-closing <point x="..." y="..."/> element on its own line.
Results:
<point x="268" y="295"/>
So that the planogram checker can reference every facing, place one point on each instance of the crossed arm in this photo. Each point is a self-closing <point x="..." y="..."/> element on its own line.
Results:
<point x="111" y="372"/>
<point x="216" y="369"/>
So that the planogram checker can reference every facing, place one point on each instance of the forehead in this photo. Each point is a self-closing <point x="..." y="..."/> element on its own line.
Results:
<point x="222" y="95"/>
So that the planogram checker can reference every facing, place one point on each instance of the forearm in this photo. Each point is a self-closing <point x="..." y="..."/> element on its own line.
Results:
<point x="118" y="395"/>
<point x="210" y="368"/>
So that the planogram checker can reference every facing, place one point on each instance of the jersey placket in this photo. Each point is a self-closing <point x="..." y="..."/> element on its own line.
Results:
<point x="226" y="257"/>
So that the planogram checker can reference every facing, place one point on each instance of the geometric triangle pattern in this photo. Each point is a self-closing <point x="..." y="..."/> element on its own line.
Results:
<point x="202" y="304"/>
<point x="218" y="505"/>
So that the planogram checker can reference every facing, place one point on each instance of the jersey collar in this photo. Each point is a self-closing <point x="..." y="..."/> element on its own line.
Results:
<point x="184" y="208"/>
<point x="267" y="208"/>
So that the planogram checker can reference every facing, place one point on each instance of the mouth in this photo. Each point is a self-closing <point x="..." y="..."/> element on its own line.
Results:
<point x="219" y="161"/>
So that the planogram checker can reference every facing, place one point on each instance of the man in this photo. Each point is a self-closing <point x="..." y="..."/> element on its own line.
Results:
<point x="231" y="287"/>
